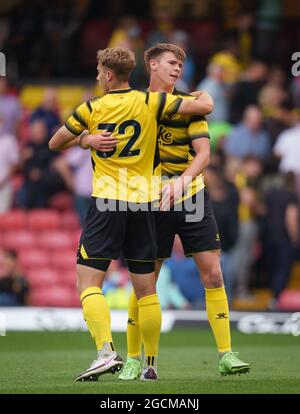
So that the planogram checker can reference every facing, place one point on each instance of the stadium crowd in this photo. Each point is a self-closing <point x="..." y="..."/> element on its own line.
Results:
<point x="253" y="178"/>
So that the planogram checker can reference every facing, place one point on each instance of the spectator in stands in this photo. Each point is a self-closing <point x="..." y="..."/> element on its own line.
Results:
<point x="276" y="103"/>
<point x="295" y="90"/>
<point x="249" y="137"/>
<point x="287" y="149"/>
<point x="41" y="180"/>
<point x="169" y="294"/>
<point x="48" y="111"/>
<point x="9" y="158"/>
<point x="163" y="26"/>
<point x="10" y="110"/>
<point x="214" y="84"/>
<point x="14" y="288"/>
<point x="186" y="82"/>
<point x="76" y="169"/>
<point x="224" y="199"/>
<point x="251" y="209"/>
<point x="227" y="58"/>
<point x="128" y="35"/>
<point x="281" y="234"/>
<point x="246" y="91"/>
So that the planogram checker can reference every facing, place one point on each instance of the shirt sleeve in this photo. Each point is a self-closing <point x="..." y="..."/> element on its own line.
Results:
<point x="172" y="104"/>
<point x="79" y="120"/>
<point x="163" y="104"/>
<point x="198" y="127"/>
<point x="280" y="145"/>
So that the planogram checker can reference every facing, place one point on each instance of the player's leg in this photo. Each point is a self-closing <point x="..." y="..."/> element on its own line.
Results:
<point x="217" y="309"/>
<point x="201" y="240"/>
<point x="149" y="314"/>
<point x="134" y="336"/>
<point x="97" y="316"/>
<point x="141" y="251"/>
<point x="98" y="245"/>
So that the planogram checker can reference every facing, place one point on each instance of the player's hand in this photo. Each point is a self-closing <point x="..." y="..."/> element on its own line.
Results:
<point x="101" y="142"/>
<point x="170" y="194"/>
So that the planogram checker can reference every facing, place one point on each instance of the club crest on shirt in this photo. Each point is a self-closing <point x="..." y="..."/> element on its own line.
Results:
<point x="164" y="136"/>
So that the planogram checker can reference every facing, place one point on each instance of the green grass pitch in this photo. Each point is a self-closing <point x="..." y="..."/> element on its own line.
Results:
<point x="47" y="362"/>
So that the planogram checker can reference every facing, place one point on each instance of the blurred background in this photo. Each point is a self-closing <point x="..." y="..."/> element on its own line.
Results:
<point x="241" y="53"/>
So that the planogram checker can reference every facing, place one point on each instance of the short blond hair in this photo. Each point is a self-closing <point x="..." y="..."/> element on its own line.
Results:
<point x="160" y="48"/>
<point x="120" y="60"/>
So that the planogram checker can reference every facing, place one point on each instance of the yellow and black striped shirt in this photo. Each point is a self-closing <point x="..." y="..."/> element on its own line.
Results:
<point x="175" y="136"/>
<point x="132" y="171"/>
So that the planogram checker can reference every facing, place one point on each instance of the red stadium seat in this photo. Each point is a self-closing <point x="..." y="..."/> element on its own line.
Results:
<point x="43" y="219"/>
<point x="61" y="201"/>
<point x="64" y="260"/>
<point x="68" y="279"/>
<point x="34" y="258"/>
<point x="55" y="240"/>
<point x="70" y="220"/>
<point x="19" y="240"/>
<point x="13" y="220"/>
<point x="54" y="296"/>
<point x="43" y="277"/>
<point x="289" y="300"/>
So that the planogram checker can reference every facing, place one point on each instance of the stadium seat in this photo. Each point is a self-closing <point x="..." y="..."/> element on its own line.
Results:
<point x="34" y="258"/>
<point x="61" y="201"/>
<point x="43" y="277"/>
<point x="68" y="279"/>
<point x="43" y="219"/>
<point x="55" y="240"/>
<point x="31" y="96"/>
<point x="54" y="296"/>
<point x="70" y="220"/>
<point x="19" y="240"/>
<point x="69" y="97"/>
<point x="289" y="300"/>
<point x="64" y="260"/>
<point x="13" y="220"/>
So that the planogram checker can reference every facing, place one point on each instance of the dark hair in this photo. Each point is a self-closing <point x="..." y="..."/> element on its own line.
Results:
<point x="11" y="253"/>
<point x="160" y="48"/>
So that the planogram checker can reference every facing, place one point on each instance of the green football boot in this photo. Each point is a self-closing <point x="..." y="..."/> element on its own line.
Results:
<point x="131" y="369"/>
<point x="230" y="364"/>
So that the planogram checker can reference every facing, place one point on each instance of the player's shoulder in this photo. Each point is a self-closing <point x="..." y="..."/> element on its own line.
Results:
<point x="93" y="102"/>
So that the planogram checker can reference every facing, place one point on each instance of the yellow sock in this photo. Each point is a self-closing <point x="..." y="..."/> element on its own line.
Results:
<point x="97" y="316"/>
<point x="218" y="316"/>
<point x="134" y="338"/>
<point x="150" y="324"/>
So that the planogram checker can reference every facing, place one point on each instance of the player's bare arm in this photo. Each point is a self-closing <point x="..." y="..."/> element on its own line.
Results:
<point x="63" y="139"/>
<point x="202" y="105"/>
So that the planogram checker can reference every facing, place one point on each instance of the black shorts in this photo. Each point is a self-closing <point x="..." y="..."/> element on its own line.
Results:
<point x="108" y="234"/>
<point x="197" y="235"/>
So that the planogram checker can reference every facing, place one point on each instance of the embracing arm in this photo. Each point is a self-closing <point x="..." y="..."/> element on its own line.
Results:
<point x="64" y="139"/>
<point x="202" y="105"/>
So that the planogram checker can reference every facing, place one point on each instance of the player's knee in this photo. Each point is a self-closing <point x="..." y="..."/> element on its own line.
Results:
<point x="213" y="278"/>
